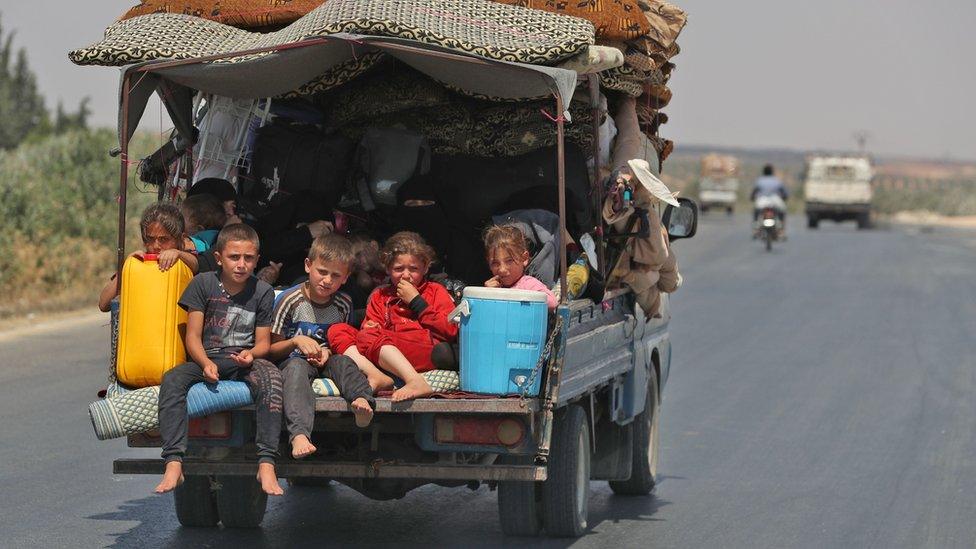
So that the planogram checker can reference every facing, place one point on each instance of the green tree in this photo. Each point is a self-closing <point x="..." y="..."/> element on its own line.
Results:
<point x="22" y="109"/>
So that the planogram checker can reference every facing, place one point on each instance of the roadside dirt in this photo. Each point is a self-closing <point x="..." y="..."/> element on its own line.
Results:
<point x="933" y="219"/>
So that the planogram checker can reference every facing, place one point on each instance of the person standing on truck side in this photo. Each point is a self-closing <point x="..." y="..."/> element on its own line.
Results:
<point x="163" y="232"/>
<point x="299" y="334"/>
<point x="228" y="333"/>
<point x="769" y="185"/>
<point x="404" y="320"/>
<point x="508" y="257"/>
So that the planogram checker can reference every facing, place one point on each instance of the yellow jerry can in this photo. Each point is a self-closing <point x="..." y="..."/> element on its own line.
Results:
<point x="152" y="326"/>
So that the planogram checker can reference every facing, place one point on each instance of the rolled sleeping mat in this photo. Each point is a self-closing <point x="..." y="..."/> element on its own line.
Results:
<point x="137" y="411"/>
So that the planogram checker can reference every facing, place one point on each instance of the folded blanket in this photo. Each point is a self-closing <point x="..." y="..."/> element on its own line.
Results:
<point x="132" y="412"/>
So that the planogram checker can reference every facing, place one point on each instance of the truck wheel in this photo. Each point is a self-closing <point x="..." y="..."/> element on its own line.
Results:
<point x="520" y="505"/>
<point x="195" y="502"/>
<point x="643" y="474"/>
<point x="566" y="493"/>
<point x="863" y="221"/>
<point x="730" y="210"/>
<point x="812" y="222"/>
<point x="240" y="501"/>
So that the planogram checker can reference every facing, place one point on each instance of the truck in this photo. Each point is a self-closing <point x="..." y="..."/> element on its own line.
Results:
<point x="603" y="367"/>
<point x="719" y="184"/>
<point x="838" y="188"/>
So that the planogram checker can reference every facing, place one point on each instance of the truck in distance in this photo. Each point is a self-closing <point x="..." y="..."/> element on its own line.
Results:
<point x="838" y="188"/>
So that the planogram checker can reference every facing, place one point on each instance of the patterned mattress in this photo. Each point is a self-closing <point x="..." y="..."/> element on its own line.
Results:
<point x="479" y="27"/>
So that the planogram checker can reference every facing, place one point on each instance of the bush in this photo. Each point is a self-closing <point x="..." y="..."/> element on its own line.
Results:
<point x="59" y="216"/>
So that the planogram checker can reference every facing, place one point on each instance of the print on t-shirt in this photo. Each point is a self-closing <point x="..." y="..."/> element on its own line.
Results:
<point x="295" y="315"/>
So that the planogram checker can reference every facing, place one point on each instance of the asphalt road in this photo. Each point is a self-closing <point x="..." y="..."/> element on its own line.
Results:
<point x="821" y="395"/>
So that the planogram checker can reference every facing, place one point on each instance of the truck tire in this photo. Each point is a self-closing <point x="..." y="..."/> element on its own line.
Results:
<point x="565" y="494"/>
<point x="730" y="210"/>
<point x="863" y="221"/>
<point x="812" y="222"/>
<point x="240" y="501"/>
<point x="195" y="502"/>
<point x="643" y="474"/>
<point x="520" y="505"/>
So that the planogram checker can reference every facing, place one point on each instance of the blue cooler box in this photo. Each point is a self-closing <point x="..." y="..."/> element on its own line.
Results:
<point x="503" y="332"/>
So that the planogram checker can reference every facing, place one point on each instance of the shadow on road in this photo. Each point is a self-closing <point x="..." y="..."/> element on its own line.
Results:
<point x="313" y="517"/>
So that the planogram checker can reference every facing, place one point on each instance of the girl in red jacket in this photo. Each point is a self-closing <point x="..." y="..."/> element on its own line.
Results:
<point x="404" y="320"/>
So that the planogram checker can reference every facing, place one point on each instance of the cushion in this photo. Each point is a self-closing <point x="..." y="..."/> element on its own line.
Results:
<point x="442" y="381"/>
<point x="243" y="14"/>
<point x="325" y="387"/>
<point x="618" y="19"/>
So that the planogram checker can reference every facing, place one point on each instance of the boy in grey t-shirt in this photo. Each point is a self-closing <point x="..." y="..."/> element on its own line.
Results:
<point x="299" y="331"/>
<point x="228" y="332"/>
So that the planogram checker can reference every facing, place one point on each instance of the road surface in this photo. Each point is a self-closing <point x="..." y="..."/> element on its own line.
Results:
<point x="822" y="395"/>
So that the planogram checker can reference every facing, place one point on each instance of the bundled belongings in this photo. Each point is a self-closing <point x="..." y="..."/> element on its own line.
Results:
<point x="292" y="159"/>
<point x="613" y="19"/>
<point x="646" y="263"/>
<point x="243" y="14"/>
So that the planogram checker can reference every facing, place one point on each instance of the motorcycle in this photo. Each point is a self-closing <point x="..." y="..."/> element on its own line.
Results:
<point x="770" y="227"/>
<point x="769" y="223"/>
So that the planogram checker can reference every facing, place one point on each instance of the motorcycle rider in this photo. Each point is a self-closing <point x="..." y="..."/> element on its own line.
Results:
<point x="769" y="191"/>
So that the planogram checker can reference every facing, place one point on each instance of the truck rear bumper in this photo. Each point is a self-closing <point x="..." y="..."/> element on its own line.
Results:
<point x="376" y="469"/>
<point x="827" y="208"/>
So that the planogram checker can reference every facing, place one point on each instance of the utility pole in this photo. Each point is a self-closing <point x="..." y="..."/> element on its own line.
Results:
<point x="861" y="136"/>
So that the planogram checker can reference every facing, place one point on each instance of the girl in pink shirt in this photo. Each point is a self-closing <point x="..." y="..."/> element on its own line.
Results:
<point x="508" y="256"/>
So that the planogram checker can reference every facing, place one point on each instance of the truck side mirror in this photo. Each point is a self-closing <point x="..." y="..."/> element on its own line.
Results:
<point x="681" y="221"/>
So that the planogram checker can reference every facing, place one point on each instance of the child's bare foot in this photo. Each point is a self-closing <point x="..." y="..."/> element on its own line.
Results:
<point x="301" y="447"/>
<point x="172" y="477"/>
<point x="379" y="381"/>
<point x="269" y="479"/>
<point x="415" y="388"/>
<point x="362" y="411"/>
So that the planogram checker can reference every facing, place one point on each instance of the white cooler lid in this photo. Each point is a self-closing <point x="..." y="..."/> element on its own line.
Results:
<point x="503" y="294"/>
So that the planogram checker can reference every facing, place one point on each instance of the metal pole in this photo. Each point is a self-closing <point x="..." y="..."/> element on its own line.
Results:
<point x="561" y="176"/>
<point x="123" y="177"/>
<point x="594" y="83"/>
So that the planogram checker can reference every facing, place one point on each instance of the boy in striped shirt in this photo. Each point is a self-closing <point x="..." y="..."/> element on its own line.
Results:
<point x="299" y="328"/>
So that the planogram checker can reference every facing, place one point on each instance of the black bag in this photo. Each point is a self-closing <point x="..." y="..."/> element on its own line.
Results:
<point x="291" y="159"/>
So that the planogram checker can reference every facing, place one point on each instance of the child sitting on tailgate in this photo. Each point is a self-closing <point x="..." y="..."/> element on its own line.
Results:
<point x="299" y="328"/>
<point x="405" y="320"/>
<point x="508" y="256"/>
<point x="228" y="334"/>
<point x="163" y="231"/>
<point x="204" y="216"/>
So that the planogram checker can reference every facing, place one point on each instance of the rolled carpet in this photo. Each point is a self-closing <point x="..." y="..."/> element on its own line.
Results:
<point x="137" y="411"/>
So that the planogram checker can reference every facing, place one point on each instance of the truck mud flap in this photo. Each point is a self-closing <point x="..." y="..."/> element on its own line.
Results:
<point x="376" y="469"/>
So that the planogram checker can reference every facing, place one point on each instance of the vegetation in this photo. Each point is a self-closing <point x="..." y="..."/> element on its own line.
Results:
<point x="59" y="218"/>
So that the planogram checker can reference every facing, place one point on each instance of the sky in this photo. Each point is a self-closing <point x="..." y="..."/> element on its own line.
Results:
<point x="752" y="73"/>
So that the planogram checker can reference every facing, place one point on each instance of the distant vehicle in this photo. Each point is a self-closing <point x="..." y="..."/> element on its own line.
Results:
<point x="838" y="188"/>
<point x="719" y="184"/>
